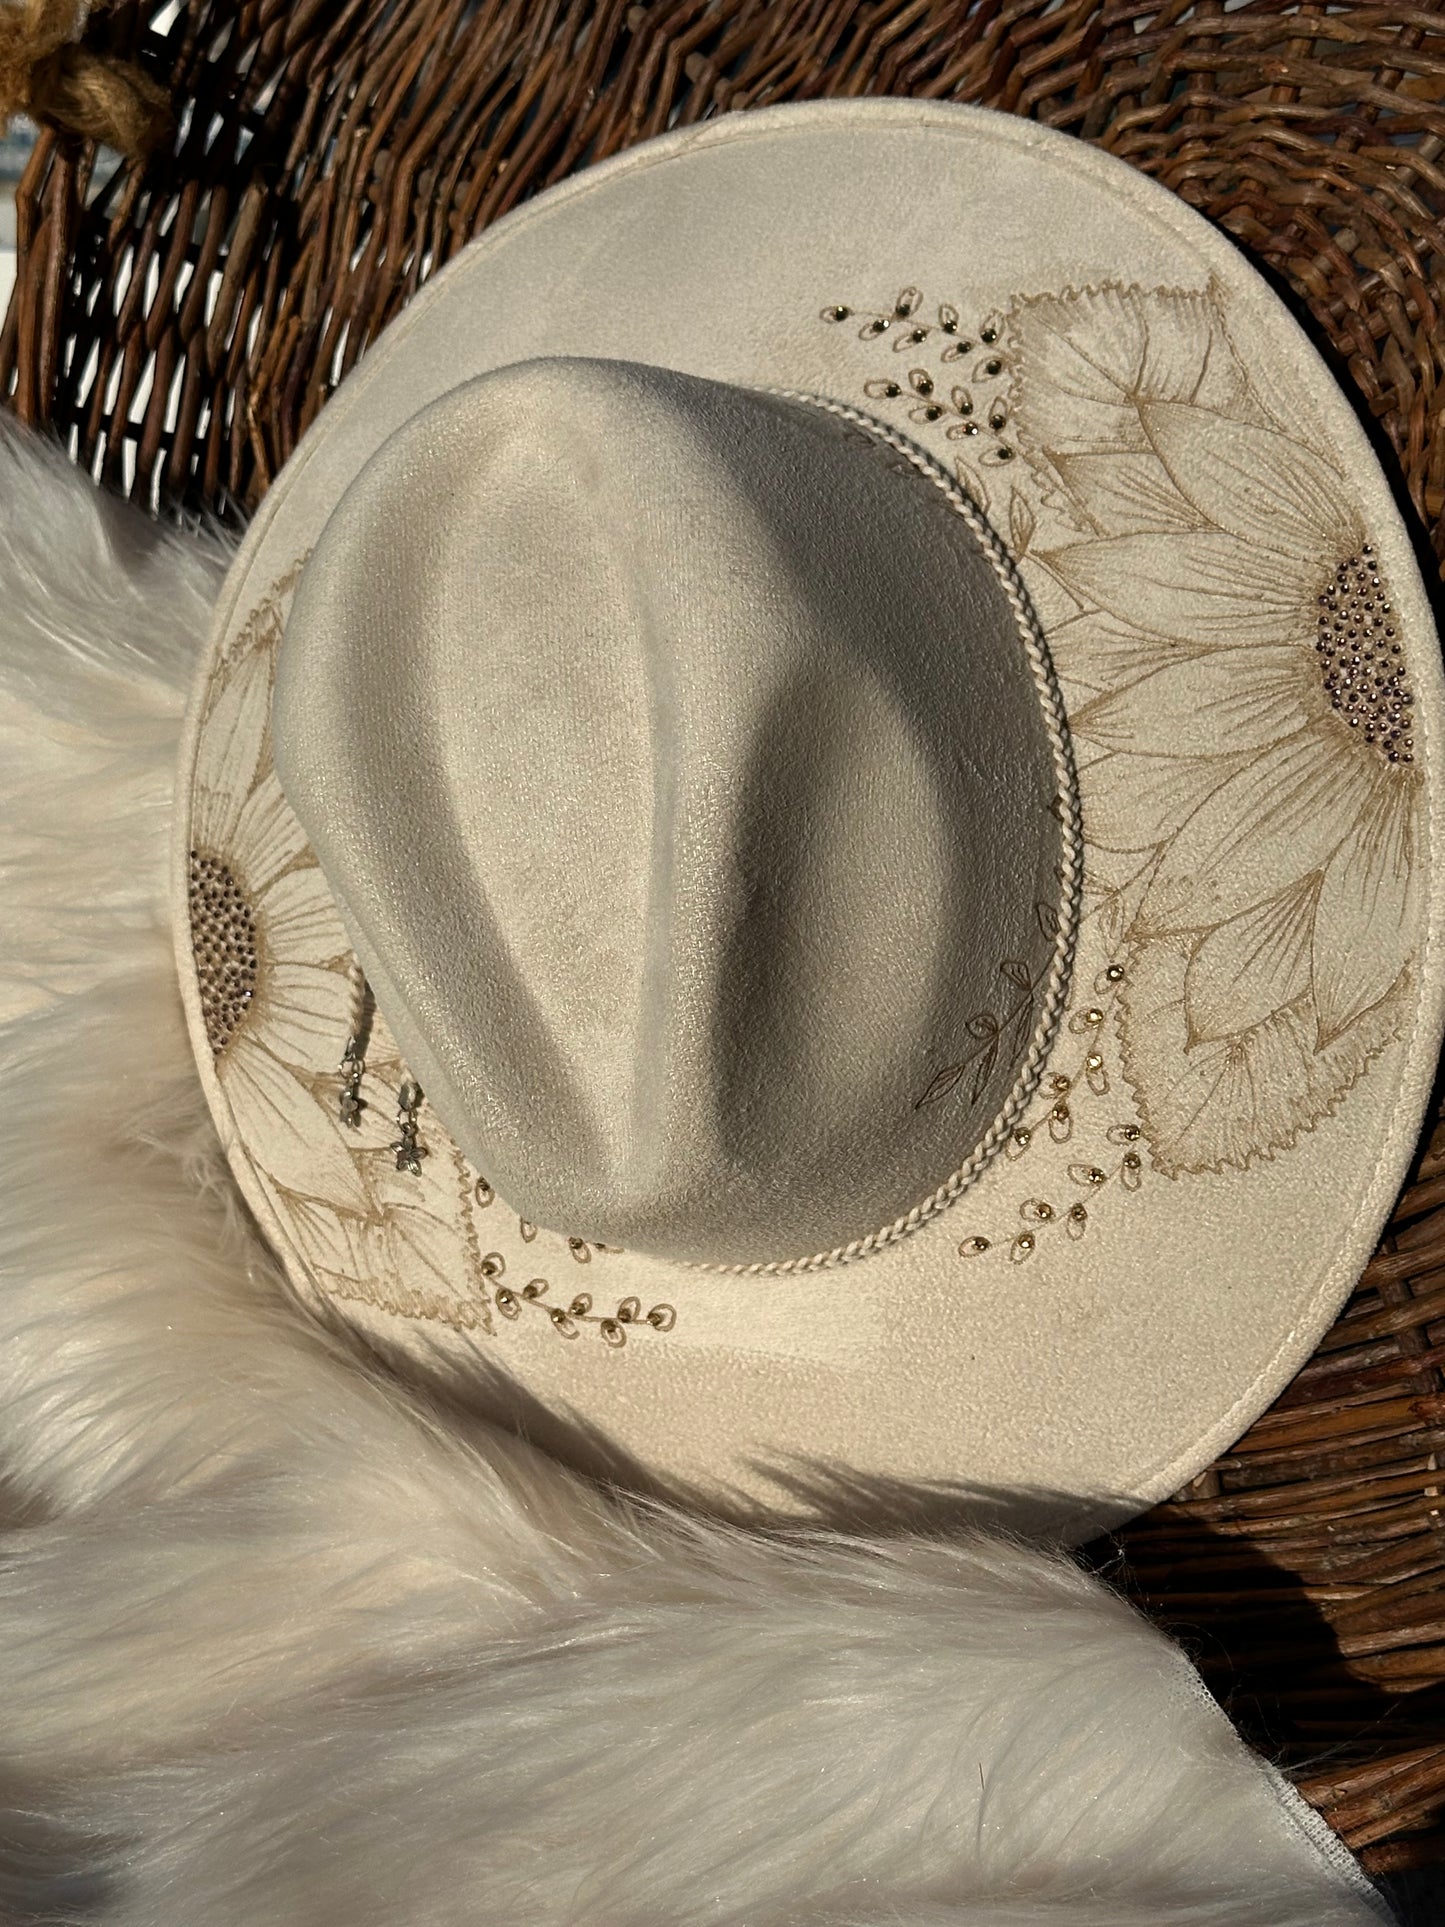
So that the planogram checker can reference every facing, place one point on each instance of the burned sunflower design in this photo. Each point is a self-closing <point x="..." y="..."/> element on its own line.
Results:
<point x="273" y="972"/>
<point x="265" y="936"/>
<point x="1236" y="676"/>
<point x="1242" y="711"/>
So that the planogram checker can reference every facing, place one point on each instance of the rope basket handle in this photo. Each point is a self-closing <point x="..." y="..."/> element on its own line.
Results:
<point x="48" y="75"/>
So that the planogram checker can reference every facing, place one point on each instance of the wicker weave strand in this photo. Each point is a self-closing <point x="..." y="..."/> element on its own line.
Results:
<point x="183" y="325"/>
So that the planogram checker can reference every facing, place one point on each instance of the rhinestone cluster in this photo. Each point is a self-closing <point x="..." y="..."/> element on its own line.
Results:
<point x="223" y="941"/>
<point x="963" y="412"/>
<point x="1361" y="658"/>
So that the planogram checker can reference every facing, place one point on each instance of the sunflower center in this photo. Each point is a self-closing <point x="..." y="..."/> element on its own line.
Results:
<point x="223" y="942"/>
<point x="1361" y="659"/>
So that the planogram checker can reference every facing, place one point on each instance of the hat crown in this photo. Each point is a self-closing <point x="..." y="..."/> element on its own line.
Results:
<point x="678" y="761"/>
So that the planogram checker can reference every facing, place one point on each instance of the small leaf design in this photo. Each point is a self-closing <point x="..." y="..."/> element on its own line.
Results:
<point x="907" y="302"/>
<point x="580" y="1305"/>
<point x="1021" y="523"/>
<point x="629" y="1311"/>
<point x="662" y="1317"/>
<point x="944" y="1081"/>
<point x="985" y="1027"/>
<point x="1114" y="918"/>
<point x="527" y="1229"/>
<point x="612" y="1333"/>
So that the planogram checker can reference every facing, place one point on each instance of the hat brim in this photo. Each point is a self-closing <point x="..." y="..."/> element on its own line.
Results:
<point x="1257" y="1002"/>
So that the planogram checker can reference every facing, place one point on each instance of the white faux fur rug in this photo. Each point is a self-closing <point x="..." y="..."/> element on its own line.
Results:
<point x="276" y="1646"/>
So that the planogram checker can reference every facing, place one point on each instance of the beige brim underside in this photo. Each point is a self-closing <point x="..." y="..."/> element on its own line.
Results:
<point x="1102" y="1313"/>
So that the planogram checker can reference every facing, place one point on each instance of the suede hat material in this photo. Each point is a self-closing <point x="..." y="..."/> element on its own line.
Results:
<point x="796" y="679"/>
<point x="843" y="715"/>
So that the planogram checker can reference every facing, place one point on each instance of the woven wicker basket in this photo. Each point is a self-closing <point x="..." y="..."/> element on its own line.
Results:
<point x="182" y="324"/>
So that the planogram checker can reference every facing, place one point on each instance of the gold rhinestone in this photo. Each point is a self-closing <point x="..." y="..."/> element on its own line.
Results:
<point x="1089" y="1174"/>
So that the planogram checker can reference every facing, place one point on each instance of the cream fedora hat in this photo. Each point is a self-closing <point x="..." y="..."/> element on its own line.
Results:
<point x="806" y="849"/>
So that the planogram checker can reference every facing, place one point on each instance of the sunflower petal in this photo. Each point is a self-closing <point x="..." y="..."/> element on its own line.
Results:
<point x="1126" y="493"/>
<point x="1277" y="820"/>
<point x="235" y="738"/>
<point x="1261" y="486"/>
<point x="412" y="1264"/>
<point x="1053" y="605"/>
<point x="1084" y="361"/>
<point x="266" y="836"/>
<point x="1096" y="651"/>
<point x="1219" y="705"/>
<point x="1139" y="802"/>
<point x="330" y="1241"/>
<point x="422" y="1250"/>
<point x="1205" y="587"/>
<point x="301" y="1016"/>
<point x="1250" y="967"/>
<point x="1226" y="1101"/>
<point x="1368" y="918"/>
<point x="283" y="1127"/>
<point x="299" y="921"/>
